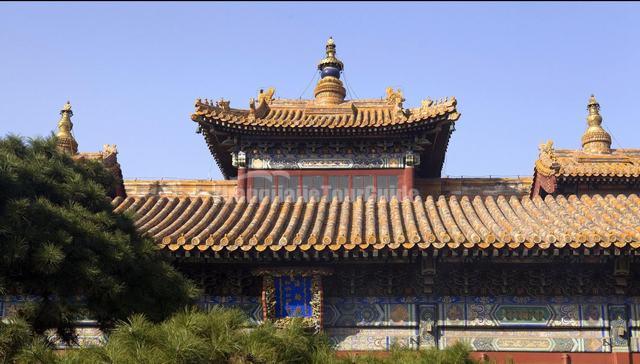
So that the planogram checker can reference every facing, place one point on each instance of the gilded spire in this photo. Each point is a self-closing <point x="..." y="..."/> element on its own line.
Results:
<point x="595" y="139"/>
<point x="330" y="65"/>
<point x="330" y="89"/>
<point x="66" y="142"/>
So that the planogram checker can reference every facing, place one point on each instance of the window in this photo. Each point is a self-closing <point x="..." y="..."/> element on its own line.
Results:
<point x="288" y="186"/>
<point x="263" y="186"/>
<point x="338" y="187"/>
<point x="387" y="186"/>
<point x="312" y="186"/>
<point x="362" y="186"/>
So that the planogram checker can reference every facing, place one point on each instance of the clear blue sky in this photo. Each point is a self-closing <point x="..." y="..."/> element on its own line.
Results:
<point x="522" y="72"/>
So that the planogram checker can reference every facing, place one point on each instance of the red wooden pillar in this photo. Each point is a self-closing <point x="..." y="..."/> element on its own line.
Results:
<point x="410" y="161"/>
<point x="241" y="187"/>
<point x="325" y="186"/>
<point x="374" y="193"/>
<point x="407" y="177"/>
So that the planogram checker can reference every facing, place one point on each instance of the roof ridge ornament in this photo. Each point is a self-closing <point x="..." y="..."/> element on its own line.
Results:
<point x="330" y="65"/>
<point x="66" y="143"/>
<point x="395" y="99"/>
<point x="266" y="96"/>
<point x="223" y="104"/>
<point x="329" y="89"/>
<point x="595" y="139"/>
<point x="547" y="162"/>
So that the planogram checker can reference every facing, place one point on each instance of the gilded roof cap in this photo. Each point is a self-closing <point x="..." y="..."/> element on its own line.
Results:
<point x="329" y="89"/>
<point x="331" y="60"/>
<point x="595" y="139"/>
<point x="66" y="143"/>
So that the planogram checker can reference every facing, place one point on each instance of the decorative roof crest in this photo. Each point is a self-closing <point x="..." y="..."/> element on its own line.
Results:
<point x="426" y="103"/>
<point x="395" y="97"/>
<point x="547" y="163"/>
<point x="595" y="139"/>
<point x="223" y="104"/>
<point x="109" y="149"/>
<point x="267" y="96"/>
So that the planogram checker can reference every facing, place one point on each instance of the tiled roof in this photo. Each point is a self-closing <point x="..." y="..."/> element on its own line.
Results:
<point x="620" y="163"/>
<point x="109" y="158"/>
<point x="308" y="114"/>
<point x="595" y="159"/>
<point x="577" y="163"/>
<point x="216" y="224"/>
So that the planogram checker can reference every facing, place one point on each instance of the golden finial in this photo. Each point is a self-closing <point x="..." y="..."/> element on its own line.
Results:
<point x="330" y="89"/>
<point x="330" y="61"/>
<point x="595" y="139"/>
<point x="66" y="142"/>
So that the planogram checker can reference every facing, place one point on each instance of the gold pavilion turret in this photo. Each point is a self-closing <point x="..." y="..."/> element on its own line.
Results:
<point x="329" y="89"/>
<point x="595" y="139"/>
<point x="66" y="142"/>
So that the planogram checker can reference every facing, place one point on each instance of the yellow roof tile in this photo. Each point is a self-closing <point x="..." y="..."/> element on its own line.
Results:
<point x="285" y="113"/>
<point x="217" y="224"/>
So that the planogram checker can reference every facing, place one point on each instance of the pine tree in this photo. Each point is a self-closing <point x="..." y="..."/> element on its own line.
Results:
<point x="62" y="245"/>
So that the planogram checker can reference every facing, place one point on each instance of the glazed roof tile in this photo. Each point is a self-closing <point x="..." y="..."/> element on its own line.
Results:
<point x="308" y="114"/>
<point x="577" y="163"/>
<point x="217" y="224"/>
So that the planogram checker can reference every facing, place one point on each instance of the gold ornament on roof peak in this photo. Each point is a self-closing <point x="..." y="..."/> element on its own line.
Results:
<point x="266" y="96"/>
<point x="223" y="104"/>
<point x="595" y="139"/>
<point x="395" y="97"/>
<point x="547" y="162"/>
<point x="330" y="59"/>
<point x="66" y="142"/>
<point x="329" y="89"/>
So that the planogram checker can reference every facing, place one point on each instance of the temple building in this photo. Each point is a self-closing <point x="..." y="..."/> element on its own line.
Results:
<point x="334" y="210"/>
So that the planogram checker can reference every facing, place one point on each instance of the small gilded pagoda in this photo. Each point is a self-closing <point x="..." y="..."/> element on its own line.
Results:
<point x="334" y="210"/>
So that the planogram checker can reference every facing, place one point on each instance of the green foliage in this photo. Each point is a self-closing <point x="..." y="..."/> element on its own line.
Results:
<point x="455" y="354"/>
<point x="216" y="336"/>
<point x="14" y="334"/>
<point x="18" y="344"/>
<point x="220" y="336"/>
<point x="63" y="246"/>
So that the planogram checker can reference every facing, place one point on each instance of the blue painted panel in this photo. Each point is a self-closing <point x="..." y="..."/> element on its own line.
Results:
<point x="293" y="296"/>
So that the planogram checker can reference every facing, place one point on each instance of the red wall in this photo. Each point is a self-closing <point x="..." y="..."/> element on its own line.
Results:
<point x="531" y="357"/>
<point x="557" y="358"/>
